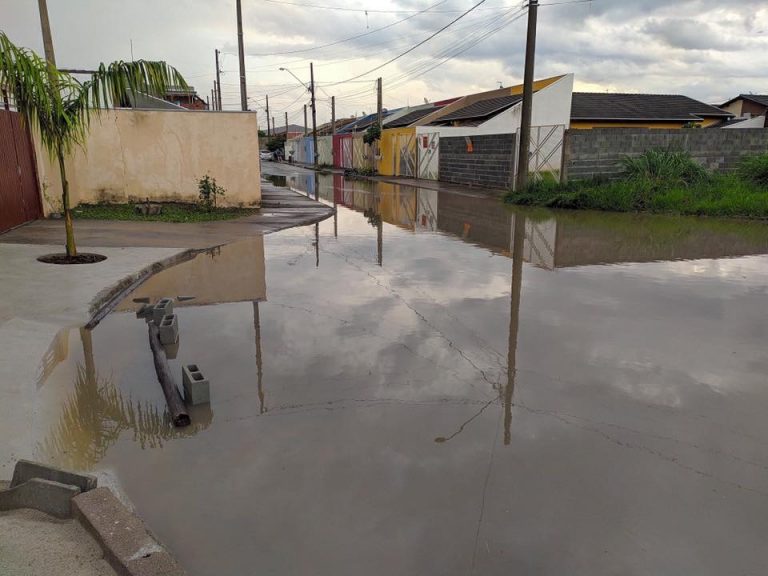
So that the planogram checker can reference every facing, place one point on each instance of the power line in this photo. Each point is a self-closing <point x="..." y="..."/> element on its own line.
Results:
<point x="363" y="10"/>
<point x="427" y="9"/>
<point x="412" y="48"/>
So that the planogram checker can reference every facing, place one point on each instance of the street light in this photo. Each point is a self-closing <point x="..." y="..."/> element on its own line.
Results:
<point x="297" y="78"/>
<point x="311" y="89"/>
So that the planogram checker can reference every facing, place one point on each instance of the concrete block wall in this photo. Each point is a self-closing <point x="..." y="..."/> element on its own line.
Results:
<point x="598" y="152"/>
<point x="489" y="164"/>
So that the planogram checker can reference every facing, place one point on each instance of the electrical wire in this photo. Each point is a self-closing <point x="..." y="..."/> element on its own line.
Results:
<point x="412" y="48"/>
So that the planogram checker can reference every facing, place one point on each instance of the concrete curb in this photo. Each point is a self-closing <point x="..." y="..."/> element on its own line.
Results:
<point x="128" y="546"/>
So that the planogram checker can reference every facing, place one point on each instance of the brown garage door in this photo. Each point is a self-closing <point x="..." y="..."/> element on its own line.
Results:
<point x="19" y="196"/>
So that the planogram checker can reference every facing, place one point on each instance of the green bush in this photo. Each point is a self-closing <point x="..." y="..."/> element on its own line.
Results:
<point x="209" y="192"/>
<point x="755" y="169"/>
<point x="664" y="168"/>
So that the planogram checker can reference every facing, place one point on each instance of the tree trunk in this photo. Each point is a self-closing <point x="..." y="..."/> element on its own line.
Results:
<point x="70" y="231"/>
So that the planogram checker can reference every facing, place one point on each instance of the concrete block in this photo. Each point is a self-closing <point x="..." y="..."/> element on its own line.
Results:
<point x="126" y="543"/>
<point x="145" y="311"/>
<point x="169" y="329"/>
<point x="197" y="389"/>
<point x="26" y="470"/>
<point x="47" y="496"/>
<point x="163" y="307"/>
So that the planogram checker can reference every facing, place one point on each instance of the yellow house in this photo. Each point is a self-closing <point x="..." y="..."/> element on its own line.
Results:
<point x="606" y="110"/>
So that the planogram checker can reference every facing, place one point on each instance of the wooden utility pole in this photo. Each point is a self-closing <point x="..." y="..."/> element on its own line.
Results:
<point x="333" y="114"/>
<point x="241" y="54"/>
<point x="314" y="114"/>
<point x="305" y="119"/>
<point x="525" y="127"/>
<point x="268" y="116"/>
<point x="379" y="101"/>
<point x="218" y="80"/>
<point x="45" y="25"/>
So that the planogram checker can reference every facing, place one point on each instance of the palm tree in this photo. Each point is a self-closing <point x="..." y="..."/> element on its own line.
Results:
<point x="60" y="107"/>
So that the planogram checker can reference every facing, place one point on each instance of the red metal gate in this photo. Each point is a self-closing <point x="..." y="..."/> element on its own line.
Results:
<point x="19" y="195"/>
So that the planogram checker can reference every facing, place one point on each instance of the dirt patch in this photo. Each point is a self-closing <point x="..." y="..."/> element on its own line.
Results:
<point x="33" y="543"/>
<point x="82" y="258"/>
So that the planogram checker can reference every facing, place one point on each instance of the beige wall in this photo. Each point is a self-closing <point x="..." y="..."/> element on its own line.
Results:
<point x="138" y="154"/>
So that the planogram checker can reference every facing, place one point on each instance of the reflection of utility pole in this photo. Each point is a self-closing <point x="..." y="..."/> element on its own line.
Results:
<point x="380" y="238"/>
<point x="317" y="244"/>
<point x="514" y="321"/>
<point x="525" y="127"/>
<point x="259" y="373"/>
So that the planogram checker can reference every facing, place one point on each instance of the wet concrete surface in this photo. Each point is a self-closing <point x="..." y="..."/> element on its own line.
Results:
<point x="435" y="384"/>
<point x="281" y="208"/>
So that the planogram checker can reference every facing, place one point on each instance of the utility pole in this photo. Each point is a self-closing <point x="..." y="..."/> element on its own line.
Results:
<point x="216" y="90"/>
<point x="241" y="53"/>
<point x="46" y="28"/>
<point x="305" y="119"/>
<point x="314" y="113"/>
<point x="268" y="116"/>
<point x="286" y="133"/>
<point x="333" y="114"/>
<point x="218" y="80"/>
<point x="378" y="102"/>
<point x="274" y="126"/>
<point x="525" y="128"/>
<point x="213" y="100"/>
<point x="207" y="102"/>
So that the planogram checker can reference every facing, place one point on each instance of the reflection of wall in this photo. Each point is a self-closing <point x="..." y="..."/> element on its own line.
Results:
<point x="232" y="273"/>
<point x="157" y="154"/>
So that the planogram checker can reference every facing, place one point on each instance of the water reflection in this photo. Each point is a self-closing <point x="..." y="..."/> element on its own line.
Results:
<point x="96" y="413"/>
<point x="433" y="379"/>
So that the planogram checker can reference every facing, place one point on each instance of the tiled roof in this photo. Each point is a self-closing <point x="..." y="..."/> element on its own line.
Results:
<point x="480" y="109"/>
<point x="410" y="118"/>
<point x="658" y="107"/>
<point x="761" y="99"/>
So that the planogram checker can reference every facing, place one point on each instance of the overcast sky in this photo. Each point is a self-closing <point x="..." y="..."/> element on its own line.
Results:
<point x="707" y="49"/>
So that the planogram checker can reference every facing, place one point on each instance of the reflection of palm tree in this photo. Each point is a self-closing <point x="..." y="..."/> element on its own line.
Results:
<point x="95" y="414"/>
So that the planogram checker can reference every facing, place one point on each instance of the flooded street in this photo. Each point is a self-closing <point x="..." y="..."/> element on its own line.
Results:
<point x="433" y="384"/>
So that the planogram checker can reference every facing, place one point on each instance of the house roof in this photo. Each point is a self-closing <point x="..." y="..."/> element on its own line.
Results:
<point x="410" y="117"/>
<point x="291" y="128"/>
<point x="363" y="123"/>
<point x="639" y="107"/>
<point x="481" y="109"/>
<point x="761" y="99"/>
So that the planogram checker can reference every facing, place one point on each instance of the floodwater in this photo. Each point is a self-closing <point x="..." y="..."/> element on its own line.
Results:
<point x="432" y="384"/>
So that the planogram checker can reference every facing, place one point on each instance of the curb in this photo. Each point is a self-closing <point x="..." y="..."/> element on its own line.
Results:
<point x="127" y="544"/>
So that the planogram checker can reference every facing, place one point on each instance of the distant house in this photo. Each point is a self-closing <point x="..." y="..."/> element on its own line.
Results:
<point x="750" y="111"/>
<point x="606" y="110"/>
<point x="294" y="130"/>
<point x="186" y="98"/>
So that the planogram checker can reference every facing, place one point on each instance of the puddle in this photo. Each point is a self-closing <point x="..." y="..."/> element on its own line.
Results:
<point x="430" y="383"/>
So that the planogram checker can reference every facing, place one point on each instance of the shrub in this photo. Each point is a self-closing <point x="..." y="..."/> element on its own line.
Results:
<point x="209" y="192"/>
<point x="755" y="169"/>
<point x="663" y="168"/>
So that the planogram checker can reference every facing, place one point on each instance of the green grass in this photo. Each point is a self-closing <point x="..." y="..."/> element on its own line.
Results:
<point x="662" y="182"/>
<point x="172" y="212"/>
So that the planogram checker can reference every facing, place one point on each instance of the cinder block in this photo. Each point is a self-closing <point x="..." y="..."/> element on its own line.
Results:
<point x="197" y="389"/>
<point x="169" y="329"/>
<point x="163" y="307"/>
<point x="26" y="470"/>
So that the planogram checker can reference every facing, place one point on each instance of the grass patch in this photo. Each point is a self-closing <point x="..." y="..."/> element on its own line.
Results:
<point x="172" y="212"/>
<point x="662" y="183"/>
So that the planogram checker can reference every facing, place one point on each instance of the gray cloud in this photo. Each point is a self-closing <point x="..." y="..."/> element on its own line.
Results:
<point x="703" y="48"/>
